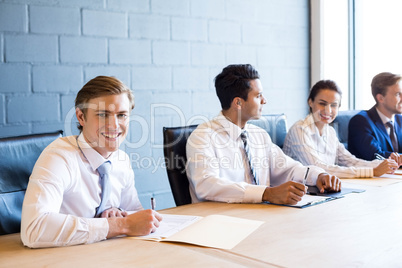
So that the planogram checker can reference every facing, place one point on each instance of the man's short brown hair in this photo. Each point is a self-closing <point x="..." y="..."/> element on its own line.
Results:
<point x="98" y="87"/>
<point x="382" y="81"/>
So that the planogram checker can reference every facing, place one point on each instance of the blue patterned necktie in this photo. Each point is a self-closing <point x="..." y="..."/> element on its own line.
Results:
<point x="105" y="185"/>
<point x="392" y="135"/>
<point x="253" y="174"/>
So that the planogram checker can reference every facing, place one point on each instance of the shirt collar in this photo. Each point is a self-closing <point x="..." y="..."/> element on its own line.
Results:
<point x="93" y="157"/>
<point x="384" y="118"/>
<point x="232" y="129"/>
<point x="310" y="124"/>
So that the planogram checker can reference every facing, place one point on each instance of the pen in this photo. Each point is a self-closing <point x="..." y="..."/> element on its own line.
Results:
<point x="153" y="203"/>
<point x="305" y="176"/>
<point x="379" y="157"/>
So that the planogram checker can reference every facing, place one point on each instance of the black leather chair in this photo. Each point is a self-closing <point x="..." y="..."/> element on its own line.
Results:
<point x="341" y="125"/>
<point x="18" y="156"/>
<point x="275" y="125"/>
<point x="174" y="149"/>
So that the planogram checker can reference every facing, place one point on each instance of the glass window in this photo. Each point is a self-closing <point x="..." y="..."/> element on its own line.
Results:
<point x="330" y="44"/>
<point x="378" y="42"/>
<point x="335" y="46"/>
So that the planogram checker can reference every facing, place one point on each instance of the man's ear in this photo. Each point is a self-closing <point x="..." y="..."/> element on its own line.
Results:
<point x="80" y="116"/>
<point x="237" y="102"/>
<point x="379" y="97"/>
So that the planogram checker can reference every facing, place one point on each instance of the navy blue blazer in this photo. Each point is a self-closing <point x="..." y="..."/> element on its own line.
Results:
<point x="367" y="135"/>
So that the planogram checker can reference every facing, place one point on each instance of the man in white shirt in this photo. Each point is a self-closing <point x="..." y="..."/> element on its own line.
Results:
<point x="61" y="205"/>
<point x="223" y="167"/>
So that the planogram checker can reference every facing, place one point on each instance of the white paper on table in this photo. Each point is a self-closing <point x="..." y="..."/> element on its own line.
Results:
<point x="376" y="181"/>
<point x="391" y="176"/>
<point x="311" y="200"/>
<point x="217" y="231"/>
<point x="398" y="172"/>
<point x="170" y="225"/>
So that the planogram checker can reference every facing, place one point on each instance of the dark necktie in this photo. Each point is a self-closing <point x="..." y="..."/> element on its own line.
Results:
<point x="253" y="174"/>
<point x="392" y="135"/>
<point x="105" y="184"/>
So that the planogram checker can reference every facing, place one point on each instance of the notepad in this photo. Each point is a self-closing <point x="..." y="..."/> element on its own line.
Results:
<point x="313" y="190"/>
<point x="377" y="181"/>
<point x="398" y="172"/>
<point x="308" y="200"/>
<point x="311" y="200"/>
<point x="391" y="176"/>
<point x="217" y="231"/>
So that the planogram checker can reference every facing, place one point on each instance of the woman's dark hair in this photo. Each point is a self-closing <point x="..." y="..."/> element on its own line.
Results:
<point x="321" y="85"/>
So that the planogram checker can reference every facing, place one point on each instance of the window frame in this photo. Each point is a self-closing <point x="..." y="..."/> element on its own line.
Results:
<point x="316" y="48"/>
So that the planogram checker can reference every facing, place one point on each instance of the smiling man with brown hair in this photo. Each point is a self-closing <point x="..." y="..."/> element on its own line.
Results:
<point x="82" y="186"/>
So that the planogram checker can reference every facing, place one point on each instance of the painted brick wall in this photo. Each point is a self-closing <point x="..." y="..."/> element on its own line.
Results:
<point x="167" y="51"/>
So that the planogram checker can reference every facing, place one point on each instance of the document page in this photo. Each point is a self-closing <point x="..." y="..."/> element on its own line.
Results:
<point x="391" y="176"/>
<point x="376" y="181"/>
<point x="310" y="200"/>
<point x="398" y="172"/>
<point x="383" y="180"/>
<point x="216" y="231"/>
<point x="172" y="224"/>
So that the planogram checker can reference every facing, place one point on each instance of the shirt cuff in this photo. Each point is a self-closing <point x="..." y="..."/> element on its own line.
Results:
<point x="365" y="172"/>
<point x="99" y="228"/>
<point x="253" y="193"/>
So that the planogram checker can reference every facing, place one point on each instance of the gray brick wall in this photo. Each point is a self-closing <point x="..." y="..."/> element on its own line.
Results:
<point x="15" y="78"/>
<point x="31" y="48"/>
<point x="52" y="20"/>
<point x="13" y="18"/>
<point x="167" y="51"/>
<point x="85" y="50"/>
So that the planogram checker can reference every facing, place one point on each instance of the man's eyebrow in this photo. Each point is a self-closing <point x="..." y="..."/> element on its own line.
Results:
<point x="108" y="111"/>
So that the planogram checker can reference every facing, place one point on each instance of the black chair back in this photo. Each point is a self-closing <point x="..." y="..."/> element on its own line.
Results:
<point x="18" y="156"/>
<point x="174" y="149"/>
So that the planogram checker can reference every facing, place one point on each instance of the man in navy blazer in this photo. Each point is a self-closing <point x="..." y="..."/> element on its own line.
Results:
<point x="369" y="131"/>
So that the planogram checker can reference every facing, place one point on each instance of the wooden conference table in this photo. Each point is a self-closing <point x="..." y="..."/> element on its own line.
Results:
<point x="359" y="230"/>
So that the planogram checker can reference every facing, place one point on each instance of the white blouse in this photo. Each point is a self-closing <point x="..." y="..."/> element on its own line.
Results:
<point x="305" y="144"/>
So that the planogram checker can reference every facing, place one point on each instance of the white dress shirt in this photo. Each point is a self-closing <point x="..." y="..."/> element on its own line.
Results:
<point x="64" y="191"/>
<point x="218" y="170"/>
<point x="385" y="120"/>
<point x="305" y="144"/>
